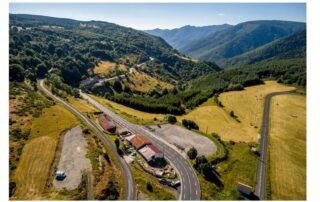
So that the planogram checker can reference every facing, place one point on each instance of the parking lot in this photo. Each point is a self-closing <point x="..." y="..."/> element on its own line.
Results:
<point x="73" y="159"/>
<point x="184" y="139"/>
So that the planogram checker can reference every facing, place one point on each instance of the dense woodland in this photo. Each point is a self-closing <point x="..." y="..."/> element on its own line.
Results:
<point x="64" y="51"/>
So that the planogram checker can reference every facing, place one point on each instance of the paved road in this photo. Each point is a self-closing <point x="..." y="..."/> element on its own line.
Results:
<point x="130" y="192"/>
<point x="190" y="188"/>
<point x="260" y="178"/>
<point x="116" y="77"/>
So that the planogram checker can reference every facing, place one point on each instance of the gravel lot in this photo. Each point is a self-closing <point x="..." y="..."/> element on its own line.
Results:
<point x="73" y="159"/>
<point x="184" y="139"/>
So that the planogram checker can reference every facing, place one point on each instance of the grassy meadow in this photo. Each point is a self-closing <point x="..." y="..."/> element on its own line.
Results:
<point x="240" y="166"/>
<point x="247" y="106"/>
<point x="105" y="67"/>
<point x="37" y="155"/>
<point x="287" y="147"/>
<point x="140" y="81"/>
<point x="128" y="113"/>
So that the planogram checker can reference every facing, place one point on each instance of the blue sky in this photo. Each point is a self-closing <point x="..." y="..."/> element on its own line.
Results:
<point x="165" y="15"/>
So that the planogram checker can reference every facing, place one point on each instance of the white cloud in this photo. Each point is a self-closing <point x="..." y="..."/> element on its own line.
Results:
<point x="220" y="14"/>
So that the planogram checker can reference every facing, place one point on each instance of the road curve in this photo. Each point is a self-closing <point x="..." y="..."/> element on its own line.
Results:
<point x="130" y="192"/>
<point x="190" y="188"/>
<point x="260" y="178"/>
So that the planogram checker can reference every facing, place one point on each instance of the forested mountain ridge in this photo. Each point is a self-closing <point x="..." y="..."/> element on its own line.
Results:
<point x="70" y="48"/>
<point x="292" y="46"/>
<point x="180" y="37"/>
<point x="240" y="38"/>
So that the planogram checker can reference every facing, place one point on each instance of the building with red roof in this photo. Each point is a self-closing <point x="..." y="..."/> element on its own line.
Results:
<point x="139" y="141"/>
<point x="107" y="125"/>
<point x="150" y="152"/>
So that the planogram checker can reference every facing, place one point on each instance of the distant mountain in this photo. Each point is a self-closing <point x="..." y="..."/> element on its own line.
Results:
<point x="239" y="39"/>
<point x="292" y="46"/>
<point x="180" y="37"/>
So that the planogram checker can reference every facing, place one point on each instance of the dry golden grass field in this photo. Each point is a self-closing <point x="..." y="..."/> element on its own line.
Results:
<point x="33" y="169"/>
<point x="106" y="66"/>
<point x="82" y="105"/>
<point x="130" y="114"/>
<point x="142" y="82"/>
<point x="247" y="106"/>
<point x="287" y="147"/>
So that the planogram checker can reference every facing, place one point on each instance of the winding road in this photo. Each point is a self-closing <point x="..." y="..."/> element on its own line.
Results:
<point x="190" y="188"/>
<point x="260" y="178"/>
<point x="130" y="192"/>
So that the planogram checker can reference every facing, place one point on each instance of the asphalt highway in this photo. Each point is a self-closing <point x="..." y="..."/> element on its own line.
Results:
<point x="260" y="178"/>
<point x="190" y="188"/>
<point x="130" y="192"/>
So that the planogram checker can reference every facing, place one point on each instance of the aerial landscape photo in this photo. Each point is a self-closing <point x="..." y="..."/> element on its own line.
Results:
<point x="157" y="101"/>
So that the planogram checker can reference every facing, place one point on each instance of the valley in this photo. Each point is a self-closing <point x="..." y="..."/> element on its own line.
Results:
<point x="159" y="114"/>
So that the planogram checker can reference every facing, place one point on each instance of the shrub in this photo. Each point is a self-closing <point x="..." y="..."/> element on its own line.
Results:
<point x="234" y="87"/>
<point x="109" y="193"/>
<point x="117" y="142"/>
<point x="192" y="153"/>
<point x="171" y="119"/>
<point x="149" y="187"/>
<point x="190" y="124"/>
<point x="12" y="187"/>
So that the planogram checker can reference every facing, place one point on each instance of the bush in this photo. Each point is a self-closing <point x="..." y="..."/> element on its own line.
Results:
<point x="86" y="131"/>
<point x="149" y="187"/>
<point x="117" y="142"/>
<point x="171" y="119"/>
<point x="12" y="188"/>
<point x="192" y="153"/>
<point x="234" y="87"/>
<point x="109" y="193"/>
<point x="190" y="124"/>
<point x="232" y="114"/>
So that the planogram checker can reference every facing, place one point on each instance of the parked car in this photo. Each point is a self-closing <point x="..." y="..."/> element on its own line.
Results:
<point x="164" y="182"/>
<point x="60" y="175"/>
<point x="175" y="184"/>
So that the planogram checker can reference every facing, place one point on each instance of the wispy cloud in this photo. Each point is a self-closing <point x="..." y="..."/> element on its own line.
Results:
<point x="220" y="14"/>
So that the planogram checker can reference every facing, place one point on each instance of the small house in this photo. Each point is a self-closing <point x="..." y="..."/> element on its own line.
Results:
<point x="244" y="189"/>
<point x="150" y="153"/>
<point x="106" y="123"/>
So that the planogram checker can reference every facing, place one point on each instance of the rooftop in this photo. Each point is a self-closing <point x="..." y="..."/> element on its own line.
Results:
<point x="139" y="141"/>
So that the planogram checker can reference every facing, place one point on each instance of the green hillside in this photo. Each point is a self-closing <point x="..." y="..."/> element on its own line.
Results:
<point x="180" y="37"/>
<point x="239" y="39"/>
<point x="71" y="48"/>
<point x="292" y="46"/>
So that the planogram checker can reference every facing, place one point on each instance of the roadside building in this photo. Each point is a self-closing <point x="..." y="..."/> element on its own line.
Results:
<point x="150" y="153"/>
<point x="138" y="141"/>
<point x="89" y="83"/>
<point x="244" y="189"/>
<point x="107" y="125"/>
<point x="129" y="137"/>
<point x="157" y="152"/>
